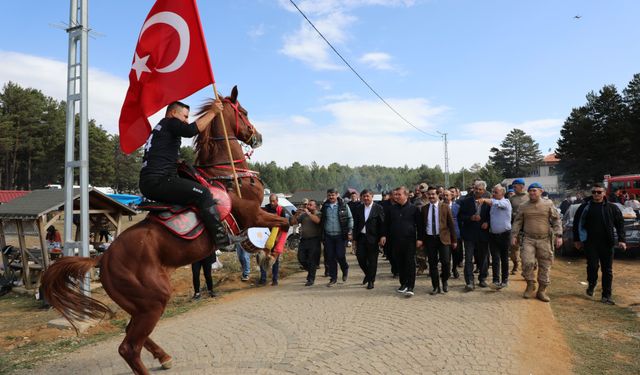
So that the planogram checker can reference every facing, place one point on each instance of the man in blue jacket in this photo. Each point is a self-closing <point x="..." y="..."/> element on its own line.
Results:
<point x="593" y="226"/>
<point x="337" y="226"/>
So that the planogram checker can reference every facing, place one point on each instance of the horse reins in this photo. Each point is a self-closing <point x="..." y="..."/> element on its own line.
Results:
<point x="239" y="115"/>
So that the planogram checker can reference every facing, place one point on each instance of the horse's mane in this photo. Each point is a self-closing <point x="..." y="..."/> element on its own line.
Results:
<point x="203" y="142"/>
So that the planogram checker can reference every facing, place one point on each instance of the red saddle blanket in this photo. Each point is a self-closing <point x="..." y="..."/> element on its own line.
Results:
<point x="184" y="221"/>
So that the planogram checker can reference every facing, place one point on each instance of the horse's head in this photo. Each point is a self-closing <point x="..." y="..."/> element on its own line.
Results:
<point x="236" y="121"/>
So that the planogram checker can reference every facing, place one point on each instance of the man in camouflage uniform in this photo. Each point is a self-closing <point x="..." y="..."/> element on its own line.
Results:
<point x="540" y="222"/>
<point x="519" y="197"/>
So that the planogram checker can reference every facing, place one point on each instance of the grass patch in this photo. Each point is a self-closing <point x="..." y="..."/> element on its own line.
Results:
<point x="604" y="338"/>
<point x="31" y="354"/>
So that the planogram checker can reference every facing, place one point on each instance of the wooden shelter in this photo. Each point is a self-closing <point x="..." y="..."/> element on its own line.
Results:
<point x="32" y="214"/>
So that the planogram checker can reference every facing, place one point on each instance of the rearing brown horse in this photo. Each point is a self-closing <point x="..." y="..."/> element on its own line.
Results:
<point x="135" y="271"/>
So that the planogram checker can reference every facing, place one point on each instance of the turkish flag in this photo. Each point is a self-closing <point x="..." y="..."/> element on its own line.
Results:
<point x="170" y="63"/>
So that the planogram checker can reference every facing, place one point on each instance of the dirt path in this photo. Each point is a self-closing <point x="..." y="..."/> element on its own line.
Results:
<point x="349" y="330"/>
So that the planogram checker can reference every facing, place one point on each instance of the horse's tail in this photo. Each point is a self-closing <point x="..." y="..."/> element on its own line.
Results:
<point x="62" y="285"/>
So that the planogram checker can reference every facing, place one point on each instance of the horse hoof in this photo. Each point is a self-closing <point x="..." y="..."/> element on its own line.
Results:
<point x="167" y="365"/>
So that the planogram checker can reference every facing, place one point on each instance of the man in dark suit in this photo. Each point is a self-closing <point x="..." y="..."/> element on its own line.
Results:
<point x="402" y="221"/>
<point x="439" y="236"/>
<point x="474" y="216"/>
<point x="368" y="222"/>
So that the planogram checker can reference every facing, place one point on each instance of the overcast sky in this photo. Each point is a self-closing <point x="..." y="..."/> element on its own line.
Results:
<point x="473" y="69"/>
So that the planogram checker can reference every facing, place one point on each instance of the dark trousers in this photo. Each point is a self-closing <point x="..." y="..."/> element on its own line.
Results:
<point x="437" y="251"/>
<point x="176" y="190"/>
<point x="309" y="256"/>
<point x="205" y="264"/>
<point x="324" y="262"/>
<point x="335" y="252"/>
<point x="404" y="253"/>
<point x="482" y="249"/>
<point x="367" y="255"/>
<point x="599" y="254"/>
<point x="499" y="244"/>
<point x="457" y="255"/>
<point x="391" y="258"/>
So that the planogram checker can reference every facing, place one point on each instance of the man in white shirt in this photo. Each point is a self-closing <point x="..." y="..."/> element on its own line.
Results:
<point x="439" y="236"/>
<point x="368" y="225"/>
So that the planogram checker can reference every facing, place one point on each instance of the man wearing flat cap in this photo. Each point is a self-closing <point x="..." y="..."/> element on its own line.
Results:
<point x="540" y="222"/>
<point x="519" y="196"/>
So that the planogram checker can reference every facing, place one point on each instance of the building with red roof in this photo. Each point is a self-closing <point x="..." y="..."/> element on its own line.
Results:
<point x="9" y="195"/>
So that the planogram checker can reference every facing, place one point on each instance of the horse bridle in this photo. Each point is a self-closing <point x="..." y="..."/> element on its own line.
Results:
<point x="240" y="115"/>
<point x="252" y="141"/>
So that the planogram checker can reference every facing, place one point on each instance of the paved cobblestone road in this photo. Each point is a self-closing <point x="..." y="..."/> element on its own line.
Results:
<point x="292" y="329"/>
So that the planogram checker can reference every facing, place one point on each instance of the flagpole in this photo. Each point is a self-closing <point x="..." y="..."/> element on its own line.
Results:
<point x="215" y="92"/>
<point x="226" y="140"/>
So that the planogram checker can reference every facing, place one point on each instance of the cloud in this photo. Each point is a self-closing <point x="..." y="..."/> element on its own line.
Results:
<point x="106" y="91"/>
<point x="306" y="145"/>
<point x="320" y="7"/>
<point x="374" y="117"/>
<point x="353" y="131"/>
<point x="542" y="128"/>
<point x="377" y="60"/>
<point x="257" y="31"/>
<point x="325" y="85"/>
<point x="364" y="132"/>
<point x="306" y="45"/>
<point x="339" y="97"/>
<point x="543" y="131"/>
<point x="333" y="19"/>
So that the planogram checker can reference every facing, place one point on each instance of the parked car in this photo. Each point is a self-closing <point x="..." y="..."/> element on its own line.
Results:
<point x="631" y="227"/>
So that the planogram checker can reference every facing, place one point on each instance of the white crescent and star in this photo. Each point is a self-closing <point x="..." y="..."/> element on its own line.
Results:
<point x="181" y="27"/>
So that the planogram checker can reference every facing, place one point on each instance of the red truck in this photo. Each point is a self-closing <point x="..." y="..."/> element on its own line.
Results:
<point x="629" y="183"/>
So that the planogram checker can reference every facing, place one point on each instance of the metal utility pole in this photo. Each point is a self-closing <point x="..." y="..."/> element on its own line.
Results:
<point x="446" y="159"/>
<point x="77" y="103"/>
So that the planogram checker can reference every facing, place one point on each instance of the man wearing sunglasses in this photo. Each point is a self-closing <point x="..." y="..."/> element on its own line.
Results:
<point x="593" y="226"/>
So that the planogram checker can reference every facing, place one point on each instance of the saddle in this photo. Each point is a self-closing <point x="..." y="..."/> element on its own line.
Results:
<point x="184" y="221"/>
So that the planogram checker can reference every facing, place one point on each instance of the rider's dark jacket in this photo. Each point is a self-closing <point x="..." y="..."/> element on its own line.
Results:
<point x="162" y="149"/>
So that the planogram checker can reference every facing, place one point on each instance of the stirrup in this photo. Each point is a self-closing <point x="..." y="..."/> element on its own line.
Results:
<point x="237" y="239"/>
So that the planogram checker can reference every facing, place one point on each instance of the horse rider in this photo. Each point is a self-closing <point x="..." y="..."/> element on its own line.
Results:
<point x="159" y="179"/>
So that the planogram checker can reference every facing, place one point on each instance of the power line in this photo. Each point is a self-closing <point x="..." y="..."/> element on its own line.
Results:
<point x="359" y="76"/>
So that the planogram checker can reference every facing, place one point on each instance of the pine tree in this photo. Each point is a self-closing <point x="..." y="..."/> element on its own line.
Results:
<point x="518" y="155"/>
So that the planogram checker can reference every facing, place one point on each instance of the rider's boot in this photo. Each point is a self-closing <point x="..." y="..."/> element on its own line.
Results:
<point x="211" y="220"/>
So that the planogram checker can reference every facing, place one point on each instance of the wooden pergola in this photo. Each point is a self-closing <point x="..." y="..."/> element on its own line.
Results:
<point x="33" y="213"/>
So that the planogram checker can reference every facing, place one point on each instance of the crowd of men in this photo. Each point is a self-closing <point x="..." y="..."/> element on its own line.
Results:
<point x="441" y="230"/>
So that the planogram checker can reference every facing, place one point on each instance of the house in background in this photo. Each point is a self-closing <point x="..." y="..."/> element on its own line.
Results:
<point x="546" y="175"/>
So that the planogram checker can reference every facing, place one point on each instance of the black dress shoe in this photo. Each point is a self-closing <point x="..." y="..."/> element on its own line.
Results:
<point x="308" y="283"/>
<point x="365" y="280"/>
<point x="590" y="291"/>
<point x="607" y="301"/>
<point x="483" y="284"/>
<point x="445" y="287"/>
<point x="435" y="291"/>
<point x="456" y="274"/>
<point x="370" y="285"/>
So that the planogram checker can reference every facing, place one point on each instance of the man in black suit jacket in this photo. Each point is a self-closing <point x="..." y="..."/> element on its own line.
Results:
<point x="474" y="216"/>
<point x="368" y="226"/>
